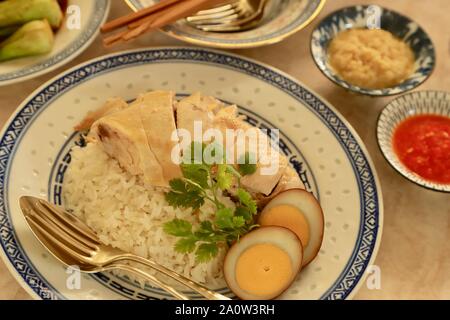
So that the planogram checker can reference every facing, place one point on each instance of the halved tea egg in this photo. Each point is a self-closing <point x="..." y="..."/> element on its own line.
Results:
<point x="299" y="211"/>
<point x="263" y="263"/>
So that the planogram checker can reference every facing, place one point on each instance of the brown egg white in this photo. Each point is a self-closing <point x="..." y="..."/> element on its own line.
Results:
<point x="299" y="211"/>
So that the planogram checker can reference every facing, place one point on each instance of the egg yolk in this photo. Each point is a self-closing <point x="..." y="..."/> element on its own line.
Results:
<point x="289" y="217"/>
<point x="263" y="269"/>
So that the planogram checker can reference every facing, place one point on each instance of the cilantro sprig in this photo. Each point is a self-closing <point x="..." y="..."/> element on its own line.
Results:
<point x="202" y="182"/>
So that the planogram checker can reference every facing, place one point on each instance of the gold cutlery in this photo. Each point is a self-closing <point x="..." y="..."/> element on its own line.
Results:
<point x="235" y="16"/>
<point x="153" y="17"/>
<point x="74" y="244"/>
<point x="206" y="15"/>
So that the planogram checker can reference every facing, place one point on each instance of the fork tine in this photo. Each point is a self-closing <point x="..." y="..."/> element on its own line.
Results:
<point x="232" y="26"/>
<point x="247" y="15"/>
<point x="204" y="17"/>
<point x="31" y="205"/>
<point x="66" y="227"/>
<point x="219" y="8"/>
<point x="63" y="234"/>
<point x="219" y="28"/>
<point x="52" y="229"/>
<point x="54" y="241"/>
<point x="220" y="21"/>
<point x="69" y="220"/>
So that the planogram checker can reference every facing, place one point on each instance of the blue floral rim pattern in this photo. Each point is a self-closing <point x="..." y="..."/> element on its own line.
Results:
<point x="101" y="8"/>
<point x="370" y="194"/>
<point x="399" y="25"/>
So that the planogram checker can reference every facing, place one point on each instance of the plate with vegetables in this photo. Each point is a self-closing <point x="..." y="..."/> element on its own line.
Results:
<point x="302" y="219"/>
<point x="38" y="36"/>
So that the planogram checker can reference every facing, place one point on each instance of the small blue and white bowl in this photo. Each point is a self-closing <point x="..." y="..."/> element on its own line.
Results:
<point x="357" y="17"/>
<point x="400" y="109"/>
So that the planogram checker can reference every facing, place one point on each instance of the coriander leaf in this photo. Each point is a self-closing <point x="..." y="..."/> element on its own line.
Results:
<point x="233" y="171"/>
<point x="210" y="237"/>
<point x="243" y="212"/>
<point x="198" y="173"/>
<point x="178" y="228"/>
<point x="206" y="251"/>
<point x="206" y="226"/>
<point x="205" y="231"/>
<point x="224" y="177"/>
<point x="213" y="153"/>
<point x="247" y="164"/>
<point x="246" y="199"/>
<point x="194" y="153"/>
<point x="247" y="169"/>
<point x="238" y="222"/>
<point x="192" y="191"/>
<point x="224" y="218"/>
<point x="186" y="245"/>
<point x="177" y="185"/>
<point x="192" y="199"/>
<point x="203" y="235"/>
<point x="184" y="195"/>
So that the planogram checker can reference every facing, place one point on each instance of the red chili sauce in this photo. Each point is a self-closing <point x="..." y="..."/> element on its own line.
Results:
<point x="422" y="144"/>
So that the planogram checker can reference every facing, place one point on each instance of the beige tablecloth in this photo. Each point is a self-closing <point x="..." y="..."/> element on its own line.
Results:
<point x="414" y="256"/>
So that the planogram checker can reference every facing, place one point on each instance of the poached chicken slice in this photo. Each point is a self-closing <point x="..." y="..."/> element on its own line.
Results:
<point x="111" y="106"/>
<point x="196" y="108"/>
<point x="271" y="165"/>
<point x="157" y="115"/>
<point x="142" y="138"/>
<point x="289" y="180"/>
<point x="123" y="138"/>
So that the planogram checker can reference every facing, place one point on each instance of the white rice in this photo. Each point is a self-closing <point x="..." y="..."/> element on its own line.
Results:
<point x="127" y="215"/>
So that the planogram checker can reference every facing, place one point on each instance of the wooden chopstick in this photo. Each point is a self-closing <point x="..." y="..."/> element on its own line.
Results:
<point x="151" y="18"/>
<point x="157" y="19"/>
<point x="144" y="26"/>
<point x="134" y="30"/>
<point x="125" y="20"/>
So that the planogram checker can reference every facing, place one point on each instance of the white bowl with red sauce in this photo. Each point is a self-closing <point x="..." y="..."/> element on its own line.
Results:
<point x="413" y="133"/>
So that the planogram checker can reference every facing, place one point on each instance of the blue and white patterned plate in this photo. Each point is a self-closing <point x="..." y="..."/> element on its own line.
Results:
<point x="399" y="25"/>
<point x="326" y="152"/>
<point x="400" y="109"/>
<point x="70" y="41"/>
<point x="282" y="18"/>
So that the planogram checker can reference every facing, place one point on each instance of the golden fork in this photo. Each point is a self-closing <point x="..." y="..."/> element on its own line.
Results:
<point x="234" y="16"/>
<point x="74" y="244"/>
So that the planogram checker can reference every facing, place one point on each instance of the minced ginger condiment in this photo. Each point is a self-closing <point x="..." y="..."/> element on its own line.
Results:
<point x="371" y="58"/>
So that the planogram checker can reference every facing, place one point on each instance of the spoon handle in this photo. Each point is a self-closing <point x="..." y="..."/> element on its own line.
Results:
<point x="200" y="289"/>
<point x="152" y="279"/>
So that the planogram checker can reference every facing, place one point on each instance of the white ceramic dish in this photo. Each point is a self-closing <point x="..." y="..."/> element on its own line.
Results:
<point x="400" y="109"/>
<point x="69" y="43"/>
<point x="282" y="18"/>
<point x="326" y="152"/>
<point x="355" y="17"/>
